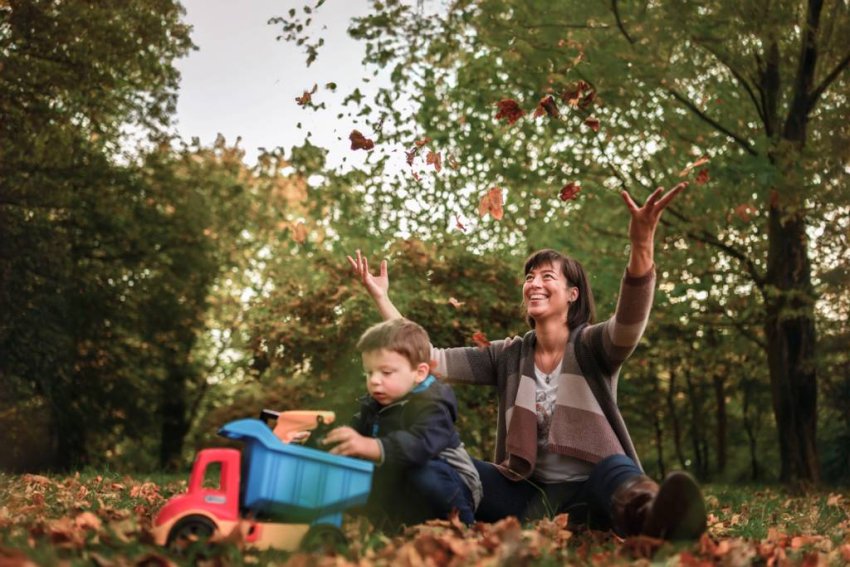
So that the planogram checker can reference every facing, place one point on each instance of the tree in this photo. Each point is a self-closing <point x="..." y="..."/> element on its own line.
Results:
<point x="639" y="93"/>
<point x="77" y="75"/>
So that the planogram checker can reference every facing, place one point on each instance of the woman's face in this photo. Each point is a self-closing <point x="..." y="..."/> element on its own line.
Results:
<point x="547" y="293"/>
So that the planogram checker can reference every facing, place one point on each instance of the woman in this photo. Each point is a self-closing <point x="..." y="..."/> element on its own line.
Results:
<point x="561" y="443"/>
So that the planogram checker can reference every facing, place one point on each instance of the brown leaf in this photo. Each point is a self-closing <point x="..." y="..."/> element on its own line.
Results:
<point x="569" y="191"/>
<point x="434" y="158"/>
<point x="11" y="557"/>
<point x="87" y="520"/>
<point x="491" y="203"/>
<point x="307" y="97"/>
<point x="299" y="232"/>
<point x="509" y="110"/>
<point x="459" y="225"/>
<point x="359" y="141"/>
<point x="642" y="546"/>
<point x="422" y="141"/>
<point x="702" y="177"/>
<point x="455" y="303"/>
<point x="480" y="339"/>
<point x="452" y="162"/>
<point x="548" y="106"/>
<point x="691" y="166"/>
<point x="592" y="123"/>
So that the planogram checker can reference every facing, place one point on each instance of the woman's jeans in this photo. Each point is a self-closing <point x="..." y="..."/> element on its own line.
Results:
<point x="587" y="502"/>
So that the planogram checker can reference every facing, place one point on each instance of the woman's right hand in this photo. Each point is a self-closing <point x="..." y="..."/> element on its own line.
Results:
<point x="377" y="286"/>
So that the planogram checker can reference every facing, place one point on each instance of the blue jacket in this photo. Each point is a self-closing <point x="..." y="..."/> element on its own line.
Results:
<point x="414" y="429"/>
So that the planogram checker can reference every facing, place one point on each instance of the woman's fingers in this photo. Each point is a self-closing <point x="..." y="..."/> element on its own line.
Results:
<point x="672" y="194"/>
<point x="654" y="197"/>
<point x="629" y="201"/>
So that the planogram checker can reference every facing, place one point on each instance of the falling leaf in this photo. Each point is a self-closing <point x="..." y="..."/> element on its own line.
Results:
<point x="410" y="156"/>
<point x="330" y="86"/>
<point x="434" y="157"/>
<point x="509" y="110"/>
<point x="691" y="166"/>
<point x="548" y="106"/>
<point x="593" y="123"/>
<point x="422" y="141"/>
<point x="480" y="339"/>
<point x="360" y="142"/>
<point x="491" y="203"/>
<point x="745" y="211"/>
<point x="455" y="303"/>
<point x="579" y="95"/>
<point x="452" y="162"/>
<point x="702" y="177"/>
<point x="299" y="232"/>
<point x="569" y="191"/>
<point x="459" y="225"/>
<point x="307" y="97"/>
<point x="416" y="176"/>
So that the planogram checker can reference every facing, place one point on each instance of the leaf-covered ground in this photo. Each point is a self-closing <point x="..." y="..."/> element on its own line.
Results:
<point x="105" y="520"/>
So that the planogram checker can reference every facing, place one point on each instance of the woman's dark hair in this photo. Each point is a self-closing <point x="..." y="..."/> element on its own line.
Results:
<point x="583" y="309"/>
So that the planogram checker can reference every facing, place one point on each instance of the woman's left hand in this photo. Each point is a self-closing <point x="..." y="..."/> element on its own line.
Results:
<point x="645" y="219"/>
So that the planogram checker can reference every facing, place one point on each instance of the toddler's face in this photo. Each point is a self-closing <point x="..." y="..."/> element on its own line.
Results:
<point x="390" y="376"/>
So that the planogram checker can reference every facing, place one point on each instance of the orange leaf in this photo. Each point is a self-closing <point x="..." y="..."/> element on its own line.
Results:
<point x="421" y="142"/>
<point x="359" y="141"/>
<point x="569" y="191"/>
<point x="480" y="339"/>
<point x="702" y="177"/>
<point x="691" y="166"/>
<point x="434" y="157"/>
<point x="491" y="203"/>
<point x="299" y="232"/>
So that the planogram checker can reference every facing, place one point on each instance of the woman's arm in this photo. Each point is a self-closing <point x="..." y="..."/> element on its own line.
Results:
<point x="377" y="286"/>
<point x="642" y="225"/>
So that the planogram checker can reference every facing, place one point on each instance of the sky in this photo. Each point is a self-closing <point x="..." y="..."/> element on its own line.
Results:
<point x="241" y="81"/>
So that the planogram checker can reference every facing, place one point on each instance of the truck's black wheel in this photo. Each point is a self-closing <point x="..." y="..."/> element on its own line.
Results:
<point x="189" y="530"/>
<point x="324" y="538"/>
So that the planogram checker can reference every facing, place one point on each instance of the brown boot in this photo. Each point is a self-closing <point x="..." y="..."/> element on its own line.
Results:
<point x="673" y="511"/>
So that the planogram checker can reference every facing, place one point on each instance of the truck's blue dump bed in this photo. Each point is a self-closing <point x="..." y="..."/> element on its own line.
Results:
<point x="292" y="482"/>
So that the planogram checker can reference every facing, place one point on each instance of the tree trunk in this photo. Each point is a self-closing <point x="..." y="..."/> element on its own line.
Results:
<point x="659" y="430"/>
<point x="674" y="419"/>
<point x="720" y="399"/>
<point x="174" y="415"/>
<point x="790" y="331"/>
<point x="750" y="428"/>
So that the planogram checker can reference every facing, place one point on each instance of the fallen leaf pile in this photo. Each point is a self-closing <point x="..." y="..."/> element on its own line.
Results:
<point x="106" y="522"/>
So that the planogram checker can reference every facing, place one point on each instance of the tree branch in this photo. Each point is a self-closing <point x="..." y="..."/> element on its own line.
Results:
<point x="740" y="78"/>
<point x="619" y="20"/>
<point x="828" y="80"/>
<point x="716" y="125"/>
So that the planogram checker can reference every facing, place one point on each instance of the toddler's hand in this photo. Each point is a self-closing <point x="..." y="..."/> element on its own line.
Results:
<point x="348" y="442"/>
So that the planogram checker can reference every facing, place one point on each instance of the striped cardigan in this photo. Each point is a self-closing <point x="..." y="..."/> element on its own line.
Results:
<point x="579" y="427"/>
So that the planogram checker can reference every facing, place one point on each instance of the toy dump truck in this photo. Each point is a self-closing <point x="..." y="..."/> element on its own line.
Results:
<point x="274" y="493"/>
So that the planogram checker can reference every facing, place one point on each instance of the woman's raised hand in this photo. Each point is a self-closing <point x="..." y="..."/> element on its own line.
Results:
<point x="377" y="286"/>
<point x="642" y="225"/>
<point x="644" y="220"/>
